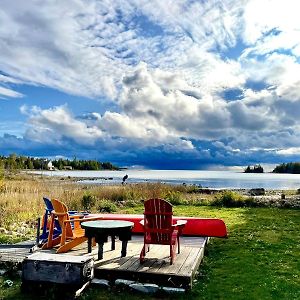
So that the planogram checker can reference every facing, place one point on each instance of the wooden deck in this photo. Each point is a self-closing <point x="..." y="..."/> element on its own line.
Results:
<point x="156" y="268"/>
<point x="15" y="253"/>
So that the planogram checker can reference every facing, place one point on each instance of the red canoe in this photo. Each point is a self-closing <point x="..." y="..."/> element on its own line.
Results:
<point x="194" y="227"/>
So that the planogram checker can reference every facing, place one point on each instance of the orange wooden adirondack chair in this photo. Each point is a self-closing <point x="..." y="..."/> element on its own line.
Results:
<point x="159" y="227"/>
<point x="70" y="237"/>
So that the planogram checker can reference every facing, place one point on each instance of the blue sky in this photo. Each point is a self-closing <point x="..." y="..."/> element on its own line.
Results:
<point x="160" y="84"/>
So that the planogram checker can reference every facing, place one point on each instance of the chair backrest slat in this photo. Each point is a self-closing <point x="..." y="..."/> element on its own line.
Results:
<point x="158" y="220"/>
<point x="60" y="207"/>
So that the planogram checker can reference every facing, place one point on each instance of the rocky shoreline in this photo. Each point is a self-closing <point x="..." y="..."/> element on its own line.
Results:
<point x="262" y="197"/>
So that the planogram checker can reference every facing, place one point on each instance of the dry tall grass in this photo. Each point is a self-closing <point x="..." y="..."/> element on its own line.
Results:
<point x="21" y="198"/>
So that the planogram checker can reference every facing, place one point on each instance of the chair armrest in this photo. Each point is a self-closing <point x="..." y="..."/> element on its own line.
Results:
<point x="76" y="219"/>
<point x="181" y="222"/>
<point x="90" y="219"/>
<point x="59" y="213"/>
<point x="180" y="225"/>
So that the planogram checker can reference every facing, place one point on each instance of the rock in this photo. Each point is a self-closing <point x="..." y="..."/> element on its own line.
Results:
<point x="101" y="282"/>
<point x="3" y="230"/>
<point x="8" y="283"/>
<point x="171" y="290"/>
<point x="146" y="288"/>
<point x="123" y="282"/>
<point x="257" y="192"/>
<point x="207" y="191"/>
<point x="22" y="229"/>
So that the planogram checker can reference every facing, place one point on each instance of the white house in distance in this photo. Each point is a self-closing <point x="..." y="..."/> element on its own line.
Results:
<point x="50" y="166"/>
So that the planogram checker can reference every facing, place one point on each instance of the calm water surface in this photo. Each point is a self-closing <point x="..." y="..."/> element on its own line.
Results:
<point x="211" y="179"/>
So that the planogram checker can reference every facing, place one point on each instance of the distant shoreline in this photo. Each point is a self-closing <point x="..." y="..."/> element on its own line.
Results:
<point x="207" y="179"/>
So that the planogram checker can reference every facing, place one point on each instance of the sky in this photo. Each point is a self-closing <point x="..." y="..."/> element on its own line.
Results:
<point x="154" y="84"/>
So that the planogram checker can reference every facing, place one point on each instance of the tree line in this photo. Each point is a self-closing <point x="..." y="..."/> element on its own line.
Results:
<point x="15" y="162"/>
<point x="291" y="167"/>
<point x="254" y="169"/>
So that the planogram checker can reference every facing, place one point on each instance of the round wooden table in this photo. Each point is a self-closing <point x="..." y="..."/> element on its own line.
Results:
<point x="100" y="230"/>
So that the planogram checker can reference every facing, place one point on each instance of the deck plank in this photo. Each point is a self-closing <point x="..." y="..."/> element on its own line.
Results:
<point x="159" y="263"/>
<point x="187" y="268"/>
<point x="179" y="262"/>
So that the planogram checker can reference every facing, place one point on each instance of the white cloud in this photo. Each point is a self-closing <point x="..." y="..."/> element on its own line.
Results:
<point x="53" y="125"/>
<point x="58" y="125"/>
<point x="5" y="92"/>
<point x="289" y="151"/>
<point x="85" y="47"/>
<point x="144" y="98"/>
<point x="263" y="16"/>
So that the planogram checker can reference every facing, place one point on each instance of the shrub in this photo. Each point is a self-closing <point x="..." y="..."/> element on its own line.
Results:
<point x="88" y="201"/>
<point x="233" y="199"/>
<point x="124" y="194"/>
<point x="174" y="198"/>
<point x="131" y="203"/>
<point x="106" y="206"/>
<point x="229" y="199"/>
<point x="251" y="202"/>
<point x="117" y="196"/>
<point x="193" y="188"/>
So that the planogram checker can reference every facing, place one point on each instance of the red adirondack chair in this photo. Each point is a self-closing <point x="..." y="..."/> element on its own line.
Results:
<point x="159" y="228"/>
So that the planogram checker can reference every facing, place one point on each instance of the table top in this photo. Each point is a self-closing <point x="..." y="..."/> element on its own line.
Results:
<point x="107" y="224"/>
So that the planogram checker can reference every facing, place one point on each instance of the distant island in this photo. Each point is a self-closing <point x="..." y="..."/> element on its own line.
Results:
<point x="15" y="162"/>
<point x="254" y="169"/>
<point x="292" y="168"/>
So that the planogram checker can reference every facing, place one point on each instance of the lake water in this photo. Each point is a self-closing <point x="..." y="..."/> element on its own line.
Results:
<point x="210" y="179"/>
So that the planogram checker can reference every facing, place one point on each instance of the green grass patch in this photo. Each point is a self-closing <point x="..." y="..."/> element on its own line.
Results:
<point x="259" y="260"/>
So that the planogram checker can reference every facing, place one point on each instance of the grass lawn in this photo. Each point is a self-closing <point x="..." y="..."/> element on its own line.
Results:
<point x="260" y="260"/>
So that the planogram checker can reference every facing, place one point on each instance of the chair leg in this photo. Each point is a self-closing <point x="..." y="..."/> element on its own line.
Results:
<point x="45" y="225"/>
<point x="63" y="235"/>
<point x="143" y="254"/>
<point x="54" y="242"/>
<point x="173" y="248"/>
<point x="50" y="243"/>
<point x="171" y="254"/>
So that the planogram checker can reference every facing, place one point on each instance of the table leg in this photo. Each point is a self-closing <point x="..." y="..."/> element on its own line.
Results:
<point x="89" y="244"/>
<point x="113" y="242"/>
<point x="100" y="250"/>
<point x="124" y="248"/>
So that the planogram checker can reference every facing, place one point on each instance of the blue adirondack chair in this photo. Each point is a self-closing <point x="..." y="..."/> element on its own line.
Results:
<point x="57" y="229"/>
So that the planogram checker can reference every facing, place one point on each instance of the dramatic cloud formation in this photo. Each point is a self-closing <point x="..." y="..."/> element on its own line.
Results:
<point x="183" y="84"/>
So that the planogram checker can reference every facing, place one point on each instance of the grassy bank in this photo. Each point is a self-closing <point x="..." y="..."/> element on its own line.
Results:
<point x="260" y="260"/>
